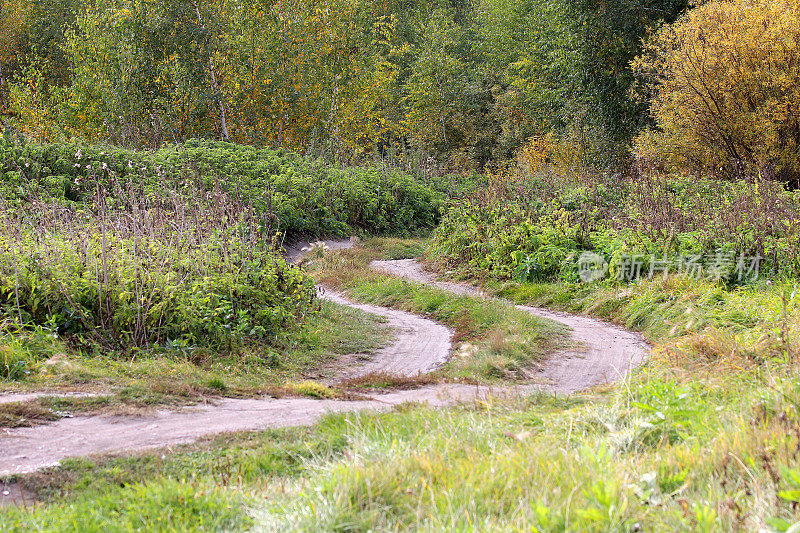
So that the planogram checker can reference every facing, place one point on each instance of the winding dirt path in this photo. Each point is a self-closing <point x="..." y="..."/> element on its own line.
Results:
<point x="608" y="353"/>
<point x="420" y="346"/>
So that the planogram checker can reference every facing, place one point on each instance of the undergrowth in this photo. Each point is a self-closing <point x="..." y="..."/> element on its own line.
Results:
<point x="535" y="226"/>
<point x="292" y="194"/>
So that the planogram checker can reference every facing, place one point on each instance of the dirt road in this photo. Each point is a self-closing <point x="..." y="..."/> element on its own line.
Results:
<point x="420" y="346"/>
<point x="608" y="353"/>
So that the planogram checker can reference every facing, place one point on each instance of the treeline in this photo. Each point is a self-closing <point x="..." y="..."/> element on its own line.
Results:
<point x="465" y="81"/>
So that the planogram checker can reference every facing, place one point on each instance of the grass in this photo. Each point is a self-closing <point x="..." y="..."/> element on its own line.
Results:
<point x="706" y="437"/>
<point x="204" y="486"/>
<point x="494" y="341"/>
<point x="655" y="455"/>
<point x="238" y="460"/>
<point x="379" y="381"/>
<point x="697" y="325"/>
<point x="166" y="505"/>
<point x="24" y="414"/>
<point x="555" y="465"/>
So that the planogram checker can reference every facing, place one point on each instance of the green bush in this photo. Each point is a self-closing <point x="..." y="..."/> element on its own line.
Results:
<point x="193" y="277"/>
<point x="295" y="195"/>
<point x="536" y="227"/>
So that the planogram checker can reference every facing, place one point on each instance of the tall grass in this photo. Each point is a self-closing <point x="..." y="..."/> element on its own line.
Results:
<point x="656" y="456"/>
<point x="547" y="218"/>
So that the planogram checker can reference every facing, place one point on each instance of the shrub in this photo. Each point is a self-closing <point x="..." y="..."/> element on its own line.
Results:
<point x="192" y="276"/>
<point x="725" y="95"/>
<point x="535" y="227"/>
<point x="292" y="194"/>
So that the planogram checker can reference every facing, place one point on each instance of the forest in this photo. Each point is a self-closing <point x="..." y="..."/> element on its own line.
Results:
<point x="466" y="82"/>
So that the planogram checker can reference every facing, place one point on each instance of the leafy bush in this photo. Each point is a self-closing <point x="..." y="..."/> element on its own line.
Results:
<point x="291" y="193"/>
<point x="722" y="102"/>
<point x="193" y="276"/>
<point x="535" y="227"/>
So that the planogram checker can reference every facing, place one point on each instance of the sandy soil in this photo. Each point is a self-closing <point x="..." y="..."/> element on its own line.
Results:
<point x="12" y="494"/>
<point x="421" y="345"/>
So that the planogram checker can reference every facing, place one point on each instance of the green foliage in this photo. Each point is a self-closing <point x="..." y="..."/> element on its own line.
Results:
<point x="292" y="194"/>
<point x="792" y="478"/>
<point x="466" y="82"/>
<point x="201" y="278"/>
<point x="536" y="227"/>
<point x="174" y="252"/>
<point x="672" y="413"/>
<point x="22" y="352"/>
<point x="609" y="37"/>
<point x="307" y="196"/>
<point x="32" y="36"/>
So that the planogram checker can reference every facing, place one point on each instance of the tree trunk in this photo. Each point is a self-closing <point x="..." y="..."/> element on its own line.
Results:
<point x="223" y="123"/>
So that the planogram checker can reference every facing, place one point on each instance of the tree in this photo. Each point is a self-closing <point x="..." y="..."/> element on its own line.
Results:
<point x="32" y="34"/>
<point x="610" y="36"/>
<point x="725" y="86"/>
<point x="311" y="73"/>
<point x="138" y="76"/>
<point x="14" y="19"/>
<point x="528" y="53"/>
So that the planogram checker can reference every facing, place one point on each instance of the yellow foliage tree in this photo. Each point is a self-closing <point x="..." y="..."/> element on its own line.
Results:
<point x="13" y="22"/>
<point x="725" y="87"/>
<point x="296" y="71"/>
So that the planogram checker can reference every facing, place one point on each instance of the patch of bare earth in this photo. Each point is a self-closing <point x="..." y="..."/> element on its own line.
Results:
<point x="12" y="494"/>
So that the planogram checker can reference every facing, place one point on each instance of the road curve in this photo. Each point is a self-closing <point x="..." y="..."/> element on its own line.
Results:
<point x="606" y="355"/>
<point x="420" y="346"/>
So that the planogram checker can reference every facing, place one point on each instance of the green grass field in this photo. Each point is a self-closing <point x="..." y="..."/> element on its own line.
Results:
<point x="680" y="445"/>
